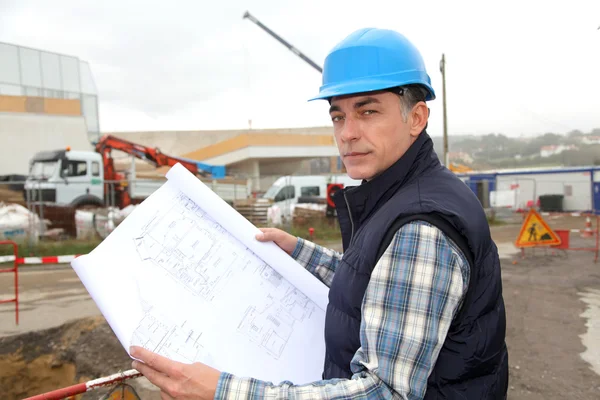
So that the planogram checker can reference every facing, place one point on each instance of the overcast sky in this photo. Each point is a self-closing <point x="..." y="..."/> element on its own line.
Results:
<point x="516" y="67"/>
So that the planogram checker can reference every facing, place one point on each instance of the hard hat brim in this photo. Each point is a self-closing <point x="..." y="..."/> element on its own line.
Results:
<point x="371" y="85"/>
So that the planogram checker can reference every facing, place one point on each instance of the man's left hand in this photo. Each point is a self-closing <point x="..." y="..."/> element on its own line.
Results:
<point x="176" y="380"/>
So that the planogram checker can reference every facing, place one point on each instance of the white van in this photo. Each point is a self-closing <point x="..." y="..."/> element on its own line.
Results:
<point x="288" y="189"/>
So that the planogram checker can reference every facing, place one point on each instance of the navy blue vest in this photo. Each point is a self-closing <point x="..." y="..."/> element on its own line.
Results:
<point x="473" y="362"/>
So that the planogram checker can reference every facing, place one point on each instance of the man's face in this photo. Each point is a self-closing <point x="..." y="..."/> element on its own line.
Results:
<point x="371" y="133"/>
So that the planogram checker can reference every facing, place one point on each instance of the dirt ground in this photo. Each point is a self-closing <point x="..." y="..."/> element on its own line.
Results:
<point x="78" y="351"/>
<point x="542" y="294"/>
<point x="553" y="331"/>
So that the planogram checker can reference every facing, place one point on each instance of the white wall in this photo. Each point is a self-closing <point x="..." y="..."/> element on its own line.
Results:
<point x="265" y="152"/>
<point x="575" y="186"/>
<point x="181" y="142"/>
<point x="22" y="135"/>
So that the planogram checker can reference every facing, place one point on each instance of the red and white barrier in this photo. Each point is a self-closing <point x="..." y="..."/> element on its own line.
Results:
<point x="87" y="386"/>
<point x="39" y="260"/>
<point x="561" y="214"/>
<point x="15" y="271"/>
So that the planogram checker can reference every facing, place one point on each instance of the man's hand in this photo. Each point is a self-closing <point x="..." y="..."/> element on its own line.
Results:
<point x="282" y="239"/>
<point x="176" y="380"/>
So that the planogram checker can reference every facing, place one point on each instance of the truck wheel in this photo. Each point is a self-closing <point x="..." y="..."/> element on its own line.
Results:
<point x="87" y="202"/>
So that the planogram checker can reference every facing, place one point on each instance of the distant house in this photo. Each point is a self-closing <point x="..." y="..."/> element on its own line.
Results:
<point x="548" y="151"/>
<point x="590" y="140"/>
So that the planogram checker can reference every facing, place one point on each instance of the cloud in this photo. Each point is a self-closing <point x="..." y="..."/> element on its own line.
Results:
<point x="512" y="67"/>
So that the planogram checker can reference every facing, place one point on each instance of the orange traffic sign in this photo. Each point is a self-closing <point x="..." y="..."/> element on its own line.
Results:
<point x="536" y="232"/>
<point x="122" y="392"/>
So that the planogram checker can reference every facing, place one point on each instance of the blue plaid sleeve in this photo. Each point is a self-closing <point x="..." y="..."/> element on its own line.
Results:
<point x="318" y="260"/>
<point x="414" y="292"/>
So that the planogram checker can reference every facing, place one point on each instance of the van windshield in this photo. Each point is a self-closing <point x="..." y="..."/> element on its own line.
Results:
<point x="272" y="192"/>
<point x="43" y="169"/>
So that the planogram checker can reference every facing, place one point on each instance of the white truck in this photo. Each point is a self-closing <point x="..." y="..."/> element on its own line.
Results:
<point x="88" y="178"/>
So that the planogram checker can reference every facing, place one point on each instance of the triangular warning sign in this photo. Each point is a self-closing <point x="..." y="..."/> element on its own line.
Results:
<point x="535" y="232"/>
<point x="122" y="392"/>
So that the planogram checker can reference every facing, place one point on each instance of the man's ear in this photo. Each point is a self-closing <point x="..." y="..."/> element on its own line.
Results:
<point x="419" y="118"/>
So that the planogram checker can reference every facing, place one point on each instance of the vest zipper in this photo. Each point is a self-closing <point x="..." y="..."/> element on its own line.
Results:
<point x="351" y="221"/>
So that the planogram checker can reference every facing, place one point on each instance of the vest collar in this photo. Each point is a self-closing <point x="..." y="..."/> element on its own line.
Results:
<point x="355" y="204"/>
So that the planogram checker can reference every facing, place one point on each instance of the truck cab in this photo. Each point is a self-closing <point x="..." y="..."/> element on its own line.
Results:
<point x="66" y="177"/>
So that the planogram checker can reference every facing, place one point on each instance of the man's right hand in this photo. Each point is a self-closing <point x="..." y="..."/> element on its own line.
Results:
<point x="282" y="239"/>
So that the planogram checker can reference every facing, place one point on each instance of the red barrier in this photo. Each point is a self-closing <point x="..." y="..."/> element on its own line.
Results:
<point x="83" y="387"/>
<point x="565" y="238"/>
<point x="15" y="270"/>
<point x="564" y="235"/>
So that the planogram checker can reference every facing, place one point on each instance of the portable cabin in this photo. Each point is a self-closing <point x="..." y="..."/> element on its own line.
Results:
<point x="577" y="189"/>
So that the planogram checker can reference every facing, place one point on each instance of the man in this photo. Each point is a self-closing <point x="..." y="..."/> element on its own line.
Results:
<point x="415" y="303"/>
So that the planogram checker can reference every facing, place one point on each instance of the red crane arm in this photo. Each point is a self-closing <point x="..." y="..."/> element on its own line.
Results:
<point x="152" y="155"/>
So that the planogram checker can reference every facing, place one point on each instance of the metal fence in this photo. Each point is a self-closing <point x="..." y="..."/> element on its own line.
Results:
<point x="30" y="211"/>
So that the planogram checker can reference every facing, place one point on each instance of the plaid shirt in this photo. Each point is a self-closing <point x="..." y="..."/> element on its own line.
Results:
<point x="414" y="292"/>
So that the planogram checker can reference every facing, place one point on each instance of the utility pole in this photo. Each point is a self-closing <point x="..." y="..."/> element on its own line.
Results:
<point x="443" y="71"/>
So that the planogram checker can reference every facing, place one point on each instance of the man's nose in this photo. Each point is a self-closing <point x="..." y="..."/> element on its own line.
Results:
<point x="350" y="131"/>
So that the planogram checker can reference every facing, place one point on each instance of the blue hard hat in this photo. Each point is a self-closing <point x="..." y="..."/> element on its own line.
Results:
<point x="373" y="59"/>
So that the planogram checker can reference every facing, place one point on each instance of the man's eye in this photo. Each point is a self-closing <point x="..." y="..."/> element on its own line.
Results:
<point x="369" y="112"/>
<point x="336" y="118"/>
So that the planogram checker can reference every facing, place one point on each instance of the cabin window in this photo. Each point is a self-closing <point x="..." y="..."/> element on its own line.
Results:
<point x="74" y="168"/>
<point x="309" y="191"/>
<point x="286" y="192"/>
<point x="95" y="168"/>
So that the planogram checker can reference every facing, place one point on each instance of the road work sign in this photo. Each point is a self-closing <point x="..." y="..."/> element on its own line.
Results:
<point x="536" y="232"/>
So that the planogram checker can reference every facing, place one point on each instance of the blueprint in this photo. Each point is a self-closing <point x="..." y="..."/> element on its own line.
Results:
<point x="191" y="247"/>
<point x="158" y="333"/>
<point x="270" y="324"/>
<point x="195" y="286"/>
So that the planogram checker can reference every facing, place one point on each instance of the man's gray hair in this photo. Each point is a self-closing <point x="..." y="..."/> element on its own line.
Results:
<point x="409" y="97"/>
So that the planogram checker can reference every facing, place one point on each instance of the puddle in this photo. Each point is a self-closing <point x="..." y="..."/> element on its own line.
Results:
<point x="591" y="339"/>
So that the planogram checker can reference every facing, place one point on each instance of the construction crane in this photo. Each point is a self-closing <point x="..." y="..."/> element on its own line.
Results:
<point x="154" y="156"/>
<point x="283" y="41"/>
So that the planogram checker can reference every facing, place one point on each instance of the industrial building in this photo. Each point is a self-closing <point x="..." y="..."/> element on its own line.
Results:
<point x="521" y="188"/>
<point x="259" y="155"/>
<point x="47" y="101"/>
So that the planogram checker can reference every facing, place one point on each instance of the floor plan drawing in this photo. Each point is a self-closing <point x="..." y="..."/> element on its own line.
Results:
<point x="160" y="335"/>
<point x="201" y="255"/>
<point x="190" y="246"/>
<point x="270" y="324"/>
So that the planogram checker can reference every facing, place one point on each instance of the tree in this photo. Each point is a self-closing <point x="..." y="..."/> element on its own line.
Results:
<point x="575" y="133"/>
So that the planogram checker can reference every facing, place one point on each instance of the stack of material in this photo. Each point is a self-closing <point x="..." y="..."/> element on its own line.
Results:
<point x="304" y="213"/>
<point x="254" y="210"/>
<point x="100" y="222"/>
<point x="18" y="223"/>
